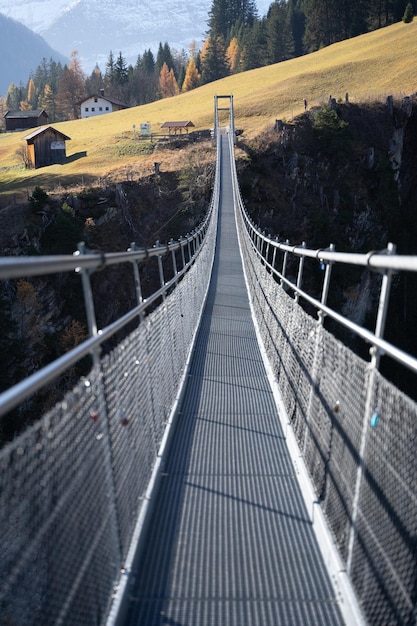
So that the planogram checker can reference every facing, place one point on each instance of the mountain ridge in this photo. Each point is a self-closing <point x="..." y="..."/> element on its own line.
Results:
<point x="93" y="28"/>
<point x="21" y="51"/>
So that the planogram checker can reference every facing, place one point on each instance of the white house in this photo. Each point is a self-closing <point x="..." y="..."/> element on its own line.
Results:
<point x="100" y="104"/>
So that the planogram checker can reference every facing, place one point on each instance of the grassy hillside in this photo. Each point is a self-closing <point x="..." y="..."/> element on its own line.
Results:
<point x="368" y="67"/>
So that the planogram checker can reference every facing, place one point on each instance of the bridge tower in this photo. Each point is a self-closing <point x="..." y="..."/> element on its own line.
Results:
<point x="217" y="108"/>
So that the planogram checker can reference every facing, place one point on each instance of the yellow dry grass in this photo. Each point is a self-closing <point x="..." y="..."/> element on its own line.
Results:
<point x="367" y="67"/>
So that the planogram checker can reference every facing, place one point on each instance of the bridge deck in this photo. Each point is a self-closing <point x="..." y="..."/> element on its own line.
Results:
<point x="230" y="543"/>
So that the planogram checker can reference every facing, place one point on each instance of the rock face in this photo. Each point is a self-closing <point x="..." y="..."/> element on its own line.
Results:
<point x="356" y="189"/>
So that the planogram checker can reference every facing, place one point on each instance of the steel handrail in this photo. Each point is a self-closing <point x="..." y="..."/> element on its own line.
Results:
<point x="382" y="261"/>
<point x="19" y="267"/>
<point x="375" y="259"/>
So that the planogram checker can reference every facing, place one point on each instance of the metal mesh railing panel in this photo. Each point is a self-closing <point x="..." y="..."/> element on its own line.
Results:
<point x="54" y="496"/>
<point x="72" y="485"/>
<point x="340" y="409"/>
<point x="339" y="406"/>
<point x="384" y="564"/>
<point x="130" y="417"/>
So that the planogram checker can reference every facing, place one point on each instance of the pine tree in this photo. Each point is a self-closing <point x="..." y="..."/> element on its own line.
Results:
<point x="14" y="97"/>
<point x="47" y="101"/>
<point x="224" y="14"/>
<point x="219" y="19"/>
<point x="164" y="56"/>
<point x="55" y="71"/>
<point x="120" y="71"/>
<point x="42" y="75"/>
<point x="109" y="75"/>
<point x="297" y="20"/>
<point x="321" y="23"/>
<point x="95" y="81"/>
<point x="280" y="43"/>
<point x="192" y="77"/>
<point x="254" y="47"/>
<point x="181" y="77"/>
<point x="213" y="60"/>
<point x="148" y="62"/>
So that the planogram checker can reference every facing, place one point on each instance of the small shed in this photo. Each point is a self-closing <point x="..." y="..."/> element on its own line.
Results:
<point x="174" y="127"/>
<point x="46" y="146"/>
<point x="21" y="120"/>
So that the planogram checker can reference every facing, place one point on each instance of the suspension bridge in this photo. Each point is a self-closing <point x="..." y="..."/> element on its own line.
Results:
<point x="230" y="461"/>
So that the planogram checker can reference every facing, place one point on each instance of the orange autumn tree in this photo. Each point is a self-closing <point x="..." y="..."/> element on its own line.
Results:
<point x="192" y="77"/>
<point x="168" y="85"/>
<point x="233" y="55"/>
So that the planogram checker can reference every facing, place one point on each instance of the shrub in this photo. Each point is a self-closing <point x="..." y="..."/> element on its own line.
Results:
<point x="408" y="14"/>
<point x="38" y="199"/>
<point x="330" y="131"/>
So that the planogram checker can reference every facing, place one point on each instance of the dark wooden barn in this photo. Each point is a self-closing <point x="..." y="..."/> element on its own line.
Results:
<point x="46" y="146"/>
<point x="21" y="120"/>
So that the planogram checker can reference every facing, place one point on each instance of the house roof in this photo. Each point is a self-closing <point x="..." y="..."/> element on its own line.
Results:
<point x="25" y="114"/>
<point x="177" y="124"/>
<point x="43" y="129"/>
<point x="109" y="99"/>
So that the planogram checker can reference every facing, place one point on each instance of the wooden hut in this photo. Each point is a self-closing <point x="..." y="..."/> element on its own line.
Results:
<point x="46" y="146"/>
<point x="21" y="120"/>
<point x="174" y="127"/>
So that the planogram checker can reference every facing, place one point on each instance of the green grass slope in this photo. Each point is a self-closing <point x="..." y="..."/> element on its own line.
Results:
<point x="367" y="67"/>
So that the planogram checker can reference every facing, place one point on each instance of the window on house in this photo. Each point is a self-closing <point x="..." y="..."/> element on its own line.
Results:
<point x="107" y="108"/>
<point x="100" y="108"/>
<point x="95" y="99"/>
<point x="86" y="109"/>
<point x="93" y="108"/>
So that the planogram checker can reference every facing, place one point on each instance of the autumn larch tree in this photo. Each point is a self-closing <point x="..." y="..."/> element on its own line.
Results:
<point x="71" y="90"/>
<point x="192" y="77"/>
<point x="167" y="82"/>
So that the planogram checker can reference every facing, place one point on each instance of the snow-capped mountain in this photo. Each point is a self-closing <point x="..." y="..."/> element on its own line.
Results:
<point x="94" y="27"/>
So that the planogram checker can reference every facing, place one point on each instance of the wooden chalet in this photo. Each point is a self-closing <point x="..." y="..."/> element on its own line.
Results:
<point x="46" y="146"/>
<point x="175" y="127"/>
<point x="100" y="104"/>
<point x="21" y="120"/>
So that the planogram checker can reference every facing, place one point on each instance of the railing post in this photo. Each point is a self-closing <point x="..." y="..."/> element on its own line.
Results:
<point x="284" y="262"/>
<point x="190" y="256"/>
<point x="274" y="255"/>
<point x="161" y="270"/>
<point x="266" y="255"/>
<point x="88" y="294"/>
<point x="300" y="273"/>
<point x="102" y="402"/>
<point x="371" y="414"/>
<point x="136" y="276"/>
<point x="326" y="284"/>
<point x="383" y="307"/>
<point x="182" y="252"/>
<point x="174" y="263"/>
<point x="317" y="344"/>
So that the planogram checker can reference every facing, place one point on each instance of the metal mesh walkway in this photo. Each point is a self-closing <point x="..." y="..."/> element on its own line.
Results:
<point x="230" y="542"/>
